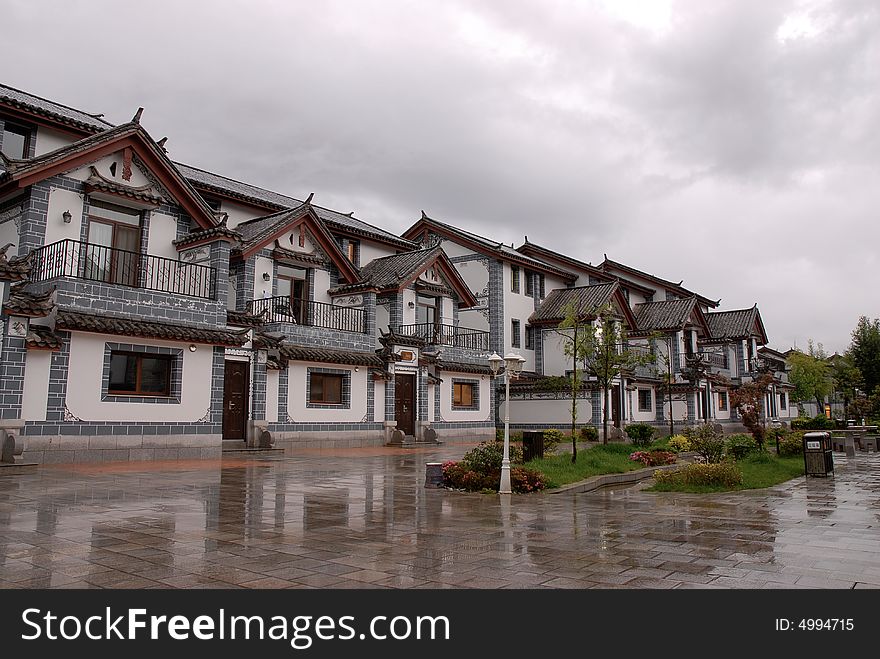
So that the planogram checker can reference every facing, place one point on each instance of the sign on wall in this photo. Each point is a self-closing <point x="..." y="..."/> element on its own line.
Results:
<point x="349" y="301"/>
<point x="196" y="255"/>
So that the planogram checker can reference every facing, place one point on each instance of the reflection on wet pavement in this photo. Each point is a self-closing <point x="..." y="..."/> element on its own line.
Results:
<point x="361" y="518"/>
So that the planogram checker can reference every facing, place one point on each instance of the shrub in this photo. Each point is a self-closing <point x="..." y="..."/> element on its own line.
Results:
<point x="523" y="480"/>
<point x="641" y="434"/>
<point x="514" y="436"/>
<point x="792" y="444"/>
<point x="776" y="433"/>
<point x="552" y="437"/>
<point x="487" y="456"/>
<point x="653" y="458"/>
<point x="679" y="443"/>
<point x="818" y="422"/>
<point x="706" y="441"/>
<point x="589" y="434"/>
<point x="739" y="446"/>
<point x="725" y="474"/>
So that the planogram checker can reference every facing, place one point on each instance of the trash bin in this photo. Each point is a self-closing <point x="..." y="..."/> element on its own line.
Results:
<point x="434" y="474"/>
<point x="818" y="460"/>
<point x="533" y="444"/>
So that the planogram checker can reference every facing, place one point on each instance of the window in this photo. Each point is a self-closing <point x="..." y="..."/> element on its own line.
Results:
<point x="465" y="394"/>
<point x="722" y="401"/>
<point x="530" y="337"/>
<point x="783" y="400"/>
<point x="353" y="251"/>
<point x="427" y="310"/>
<point x="515" y="340"/>
<point x="293" y="287"/>
<point x="541" y="286"/>
<point x="16" y="141"/>
<point x="530" y="283"/>
<point x="113" y="253"/>
<point x="140" y="374"/>
<point x="514" y="278"/>
<point x="645" y="400"/>
<point x="325" y="388"/>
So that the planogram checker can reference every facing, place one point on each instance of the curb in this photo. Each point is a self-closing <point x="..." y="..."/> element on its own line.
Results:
<point x="595" y="482"/>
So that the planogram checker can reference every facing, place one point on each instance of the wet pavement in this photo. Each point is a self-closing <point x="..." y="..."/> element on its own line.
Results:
<point x="361" y="518"/>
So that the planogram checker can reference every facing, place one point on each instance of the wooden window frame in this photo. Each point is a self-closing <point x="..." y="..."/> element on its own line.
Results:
<point x="139" y="356"/>
<point x="650" y="406"/>
<point x="337" y="376"/>
<point x="25" y="132"/>
<point x="723" y="402"/>
<point x="457" y="390"/>
<point x="783" y="400"/>
<point x="515" y="333"/>
<point x="514" y="279"/>
<point x="530" y="337"/>
<point x="530" y="283"/>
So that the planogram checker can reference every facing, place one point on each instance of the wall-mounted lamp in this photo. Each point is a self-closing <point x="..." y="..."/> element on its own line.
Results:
<point x="192" y="347"/>
<point x="67" y="217"/>
<point x="411" y="305"/>
<point x="356" y="369"/>
<point x="266" y="276"/>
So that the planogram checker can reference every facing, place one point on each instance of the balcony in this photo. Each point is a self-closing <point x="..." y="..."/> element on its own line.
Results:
<point x="448" y="335"/>
<point x="96" y="263"/>
<point x="309" y="313"/>
<point x="705" y="359"/>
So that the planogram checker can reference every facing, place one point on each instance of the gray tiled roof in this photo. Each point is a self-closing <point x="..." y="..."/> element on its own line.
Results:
<point x="505" y="250"/>
<point x="331" y="356"/>
<point x="71" y="320"/>
<point x="678" y="289"/>
<point x="252" y="230"/>
<point x="388" y="271"/>
<point x="587" y="299"/>
<point x="664" y="315"/>
<point x="333" y="218"/>
<point x="732" y="324"/>
<point x="51" y="109"/>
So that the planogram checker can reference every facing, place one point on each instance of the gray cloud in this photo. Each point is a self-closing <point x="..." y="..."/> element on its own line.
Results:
<point x="704" y="147"/>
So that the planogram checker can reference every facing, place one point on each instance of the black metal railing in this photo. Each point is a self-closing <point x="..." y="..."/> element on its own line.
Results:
<point x="79" y="260"/>
<point x="448" y="335"/>
<point x="704" y="359"/>
<point x="283" y="309"/>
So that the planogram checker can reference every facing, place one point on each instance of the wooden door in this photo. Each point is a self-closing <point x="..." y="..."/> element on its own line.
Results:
<point x="405" y="403"/>
<point x="236" y="379"/>
<point x="615" y="405"/>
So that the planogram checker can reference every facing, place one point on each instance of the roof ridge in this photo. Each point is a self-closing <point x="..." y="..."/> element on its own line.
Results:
<point x="95" y="116"/>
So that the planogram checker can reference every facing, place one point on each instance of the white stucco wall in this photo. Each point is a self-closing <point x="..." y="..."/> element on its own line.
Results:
<point x="379" y="401"/>
<point x="555" y="361"/>
<point x="84" y="382"/>
<point x="547" y="411"/>
<point x="371" y="251"/>
<point x="262" y="288"/>
<point x="296" y="395"/>
<point x="103" y="166"/>
<point x="382" y="320"/>
<point x="272" y="378"/>
<point x="163" y="230"/>
<point x="56" y="229"/>
<point x="239" y="213"/>
<point x="49" y="140"/>
<point x="475" y="274"/>
<point x="36" y="385"/>
<point x="322" y="283"/>
<point x="450" y="414"/>
<point x="9" y="234"/>
<point x="409" y="313"/>
<point x="633" y="405"/>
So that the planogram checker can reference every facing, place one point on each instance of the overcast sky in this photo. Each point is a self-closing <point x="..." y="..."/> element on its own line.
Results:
<point x="731" y="144"/>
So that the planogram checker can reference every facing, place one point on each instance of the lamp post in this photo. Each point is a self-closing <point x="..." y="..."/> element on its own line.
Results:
<point x="513" y="365"/>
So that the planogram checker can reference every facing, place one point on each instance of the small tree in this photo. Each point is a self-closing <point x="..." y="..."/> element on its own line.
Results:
<point x="864" y="351"/>
<point x="607" y="355"/>
<point x="575" y="328"/>
<point x="847" y="379"/>
<point x="810" y="375"/>
<point x="748" y="399"/>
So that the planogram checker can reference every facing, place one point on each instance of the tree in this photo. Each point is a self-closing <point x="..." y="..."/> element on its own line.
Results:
<point x="810" y="375"/>
<point x="865" y="351"/>
<point x="575" y="329"/>
<point x="847" y="379"/>
<point x="748" y="399"/>
<point x="607" y="355"/>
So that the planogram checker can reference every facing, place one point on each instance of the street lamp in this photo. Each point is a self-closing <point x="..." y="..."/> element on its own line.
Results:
<point x="513" y="366"/>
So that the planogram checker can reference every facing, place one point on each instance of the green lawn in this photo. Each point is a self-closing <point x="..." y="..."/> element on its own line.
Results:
<point x="602" y="459"/>
<point x="761" y="470"/>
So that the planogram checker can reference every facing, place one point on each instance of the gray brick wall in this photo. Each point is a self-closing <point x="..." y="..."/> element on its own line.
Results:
<point x="283" y="384"/>
<point x="12" y="375"/>
<point x="218" y="376"/>
<point x="395" y="310"/>
<point x="304" y="335"/>
<point x="258" y="391"/>
<point x="58" y="380"/>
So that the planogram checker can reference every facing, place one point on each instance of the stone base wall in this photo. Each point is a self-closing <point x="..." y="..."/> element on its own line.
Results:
<point x="56" y="449"/>
<point x="483" y="432"/>
<point x="328" y="439"/>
